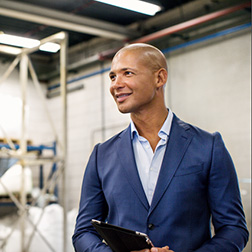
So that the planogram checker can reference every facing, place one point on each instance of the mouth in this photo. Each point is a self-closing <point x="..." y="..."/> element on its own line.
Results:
<point x="122" y="97"/>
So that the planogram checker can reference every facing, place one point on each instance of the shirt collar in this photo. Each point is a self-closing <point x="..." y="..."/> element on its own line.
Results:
<point x="163" y="132"/>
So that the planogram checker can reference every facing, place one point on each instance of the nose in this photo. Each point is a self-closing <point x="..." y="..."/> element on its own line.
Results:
<point x="117" y="82"/>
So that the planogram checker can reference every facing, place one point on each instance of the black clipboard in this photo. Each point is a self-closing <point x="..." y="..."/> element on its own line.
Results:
<point x="121" y="239"/>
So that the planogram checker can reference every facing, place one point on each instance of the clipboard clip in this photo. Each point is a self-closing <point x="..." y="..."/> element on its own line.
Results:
<point x="148" y="241"/>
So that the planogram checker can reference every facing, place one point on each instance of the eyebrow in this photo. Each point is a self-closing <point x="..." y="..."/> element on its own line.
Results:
<point x="123" y="70"/>
<point x="110" y="73"/>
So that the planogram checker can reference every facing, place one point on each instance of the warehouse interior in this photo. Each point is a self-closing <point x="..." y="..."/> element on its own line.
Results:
<point x="55" y="106"/>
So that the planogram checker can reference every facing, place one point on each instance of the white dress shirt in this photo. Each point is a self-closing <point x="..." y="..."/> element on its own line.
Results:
<point x="149" y="162"/>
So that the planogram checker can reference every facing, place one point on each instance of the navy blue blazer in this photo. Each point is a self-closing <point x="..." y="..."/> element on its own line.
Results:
<point x="197" y="183"/>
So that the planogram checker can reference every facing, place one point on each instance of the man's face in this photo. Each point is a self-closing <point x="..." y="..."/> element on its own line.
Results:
<point x="132" y="82"/>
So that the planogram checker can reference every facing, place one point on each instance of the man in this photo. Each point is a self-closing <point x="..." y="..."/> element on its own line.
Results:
<point x="160" y="176"/>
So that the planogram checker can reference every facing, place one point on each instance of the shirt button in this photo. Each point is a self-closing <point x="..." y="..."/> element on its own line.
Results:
<point x="151" y="226"/>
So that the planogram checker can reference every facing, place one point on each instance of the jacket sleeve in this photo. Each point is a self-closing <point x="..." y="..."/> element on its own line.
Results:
<point x="92" y="206"/>
<point x="231" y="234"/>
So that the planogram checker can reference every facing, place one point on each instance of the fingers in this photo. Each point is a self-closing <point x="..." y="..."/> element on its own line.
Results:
<point x="163" y="249"/>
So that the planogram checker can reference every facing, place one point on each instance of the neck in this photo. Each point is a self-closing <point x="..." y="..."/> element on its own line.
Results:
<point x="149" y="124"/>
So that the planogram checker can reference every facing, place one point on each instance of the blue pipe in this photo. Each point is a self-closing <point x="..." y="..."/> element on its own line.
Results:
<point x="208" y="37"/>
<point x="81" y="78"/>
<point x="30" y="147"/>
<point x="167" y="50"/>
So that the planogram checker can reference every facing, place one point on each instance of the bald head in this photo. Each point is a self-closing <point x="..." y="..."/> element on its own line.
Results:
<point x="138" y="76"/>
<point x="148" y="54"/>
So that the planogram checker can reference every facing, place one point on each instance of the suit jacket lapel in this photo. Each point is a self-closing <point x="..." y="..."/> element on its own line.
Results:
<point x="128" y="163"/>
<point x="178" y="142"/>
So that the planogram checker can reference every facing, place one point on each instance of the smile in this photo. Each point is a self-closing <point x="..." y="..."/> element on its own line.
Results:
<point x="122" y="97"/>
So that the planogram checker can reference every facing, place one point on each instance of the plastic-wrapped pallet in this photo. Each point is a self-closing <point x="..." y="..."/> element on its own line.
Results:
<point x="12" y="180"/>
<point x="50" y="227"/>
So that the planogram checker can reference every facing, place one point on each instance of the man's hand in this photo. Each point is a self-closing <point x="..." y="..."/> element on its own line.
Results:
<point x="164" y="249"/>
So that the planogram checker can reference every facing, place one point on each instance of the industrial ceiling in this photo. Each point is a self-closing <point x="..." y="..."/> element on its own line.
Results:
<point x="99" y="29"/>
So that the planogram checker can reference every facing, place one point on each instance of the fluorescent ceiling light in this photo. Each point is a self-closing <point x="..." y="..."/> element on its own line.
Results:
<point x="18" y="41"/>
<point x="50" y="47"/>
<point x="134" y="5"/>
<point x="27" y="43"/>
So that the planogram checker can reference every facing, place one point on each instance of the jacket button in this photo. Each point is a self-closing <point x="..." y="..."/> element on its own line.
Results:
<point x="151" y="226"/>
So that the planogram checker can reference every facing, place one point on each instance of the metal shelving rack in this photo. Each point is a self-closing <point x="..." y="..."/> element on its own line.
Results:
<point x="23" y="156"/>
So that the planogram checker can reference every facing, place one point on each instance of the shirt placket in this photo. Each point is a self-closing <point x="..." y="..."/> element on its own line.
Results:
<point x="154" y="171"/>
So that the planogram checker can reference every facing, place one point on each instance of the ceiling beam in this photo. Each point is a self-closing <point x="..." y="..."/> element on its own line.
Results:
<point x="63" y="20"/>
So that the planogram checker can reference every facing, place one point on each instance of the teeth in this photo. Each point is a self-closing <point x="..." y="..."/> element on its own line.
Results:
<point x="119" y="96"/>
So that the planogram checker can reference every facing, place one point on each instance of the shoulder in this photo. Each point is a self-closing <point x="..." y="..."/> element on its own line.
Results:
<point x="193" y="130"/>
<point x="111" y="141"/>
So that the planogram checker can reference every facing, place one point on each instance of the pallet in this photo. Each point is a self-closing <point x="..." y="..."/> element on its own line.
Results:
<point x="7" y="199"/>
<point x="14" y="141"/>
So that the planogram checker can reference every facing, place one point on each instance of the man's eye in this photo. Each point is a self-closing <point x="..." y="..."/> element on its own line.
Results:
<point x="112" y="77"/>
<point x="128" y="73"/>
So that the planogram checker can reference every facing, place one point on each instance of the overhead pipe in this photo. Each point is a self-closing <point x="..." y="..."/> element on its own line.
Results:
<point x="208" y="37"/>
<point x="191" y="23"/>
<point x="180" y="27"/>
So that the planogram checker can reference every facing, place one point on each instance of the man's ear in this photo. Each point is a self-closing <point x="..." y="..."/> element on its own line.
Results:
<point x="162" y="76"/>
